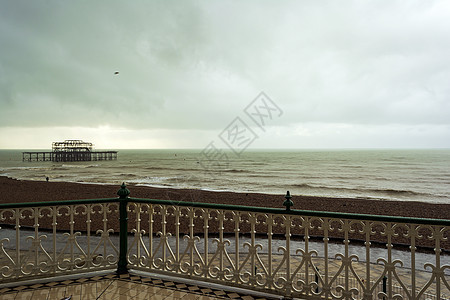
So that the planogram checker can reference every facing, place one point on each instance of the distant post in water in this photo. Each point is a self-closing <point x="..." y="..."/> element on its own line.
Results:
<point x="123" y="229"/>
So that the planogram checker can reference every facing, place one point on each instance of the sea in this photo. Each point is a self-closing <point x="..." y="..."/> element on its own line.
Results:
<point x="400" y="175"/>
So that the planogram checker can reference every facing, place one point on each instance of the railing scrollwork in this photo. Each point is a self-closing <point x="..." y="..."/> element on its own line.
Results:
<point x="285" y="252"/>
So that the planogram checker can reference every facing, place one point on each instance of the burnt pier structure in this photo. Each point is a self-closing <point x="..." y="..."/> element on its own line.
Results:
<point x="70" y="150"/>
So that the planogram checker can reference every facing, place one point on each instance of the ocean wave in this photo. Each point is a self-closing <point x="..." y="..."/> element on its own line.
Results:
<point x="378" y="191"/>
<point x="172" y="169"/>
<point x="156" y="185"/>
<point x="31" y="168"/>
<point x="395" y="192"/>
<point x="260" y="176"/>
<point x="47" y="168"/>
<point x="351" y="166"/>
<point x="236" y="171"/>
<point x="342" y="174"/>
<point x="155" y="168"/>
<point x="151" y="180"/>
<point x="79" y="166"/>
<point x="126" y="175"/>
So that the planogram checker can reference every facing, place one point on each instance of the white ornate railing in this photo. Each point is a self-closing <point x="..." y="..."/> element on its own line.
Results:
<point x="57" y="239"/>
<point x="290" y="253"/>
<point x="259" y="249"/>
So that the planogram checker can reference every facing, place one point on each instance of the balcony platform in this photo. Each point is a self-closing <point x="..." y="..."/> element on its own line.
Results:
<point x="133" y="285"/>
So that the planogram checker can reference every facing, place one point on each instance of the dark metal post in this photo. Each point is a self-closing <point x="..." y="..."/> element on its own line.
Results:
<point x="123" y="231"/>
<point x="288" y="202"/>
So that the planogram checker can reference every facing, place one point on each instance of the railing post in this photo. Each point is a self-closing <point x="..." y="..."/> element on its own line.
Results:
<point x="123" y="229"/>
<point x="288" y="202"/>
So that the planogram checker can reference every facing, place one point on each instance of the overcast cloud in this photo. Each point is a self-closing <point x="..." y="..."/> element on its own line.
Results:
<point x="345" y="73"/>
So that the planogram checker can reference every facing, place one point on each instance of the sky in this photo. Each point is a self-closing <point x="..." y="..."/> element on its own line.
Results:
<point x="279" y="74"/>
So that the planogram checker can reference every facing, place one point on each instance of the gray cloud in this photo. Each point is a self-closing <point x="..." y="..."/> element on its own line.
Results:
<point x="196" y="65"/>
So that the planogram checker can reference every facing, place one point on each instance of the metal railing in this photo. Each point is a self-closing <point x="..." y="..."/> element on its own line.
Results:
<point x="291" y="253"/>
<point x="56" y="238"/>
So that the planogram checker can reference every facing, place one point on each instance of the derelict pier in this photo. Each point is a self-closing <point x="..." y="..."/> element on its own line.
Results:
<point x="70" y="150"/>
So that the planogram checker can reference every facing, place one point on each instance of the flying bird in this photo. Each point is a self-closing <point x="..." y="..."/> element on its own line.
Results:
<point x="116" y="73"/>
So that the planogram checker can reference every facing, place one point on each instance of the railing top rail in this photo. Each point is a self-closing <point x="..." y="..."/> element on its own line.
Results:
<point x="56" y="203"/>
<point x="277" y="211"/>
<point x="310" y="213"/>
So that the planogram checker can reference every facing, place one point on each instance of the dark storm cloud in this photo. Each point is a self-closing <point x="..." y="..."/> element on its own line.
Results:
<point x="196" y="65"/>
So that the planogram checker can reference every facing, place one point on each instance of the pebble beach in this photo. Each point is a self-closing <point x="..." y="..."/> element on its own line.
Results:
<point x="20" y="191"/>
